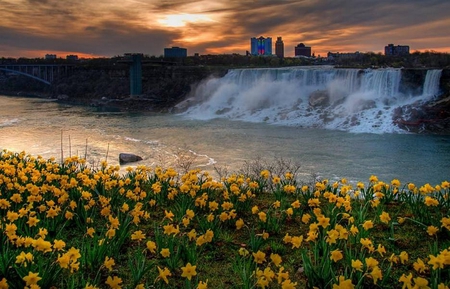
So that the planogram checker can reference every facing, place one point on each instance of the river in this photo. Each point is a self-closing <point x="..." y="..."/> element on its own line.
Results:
<point x="47" y="128"/>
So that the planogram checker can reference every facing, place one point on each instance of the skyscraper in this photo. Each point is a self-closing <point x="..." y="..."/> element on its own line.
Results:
<point x="261" y="46"/>
<point x="279" y="48"/>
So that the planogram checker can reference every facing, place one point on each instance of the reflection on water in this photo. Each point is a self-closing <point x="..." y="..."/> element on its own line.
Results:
<point x="39" y="127"/>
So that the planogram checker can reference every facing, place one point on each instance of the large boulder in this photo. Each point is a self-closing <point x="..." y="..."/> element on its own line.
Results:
<point x="128" y="158"/>
<point x="319" y="98"/>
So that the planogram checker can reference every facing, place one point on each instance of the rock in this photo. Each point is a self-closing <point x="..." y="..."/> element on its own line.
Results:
<point x="128" y="158"/>
<point x="184" y="105"/>
<point x="62" y="97"/>
<point x="319" y="98"/>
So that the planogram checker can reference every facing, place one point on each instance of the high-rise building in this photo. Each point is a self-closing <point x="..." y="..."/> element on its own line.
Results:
<point x="279" y="47"/>
<point x="302" y="50"/>
<point x="392" y="50"/>
<point x="261" y="46"/>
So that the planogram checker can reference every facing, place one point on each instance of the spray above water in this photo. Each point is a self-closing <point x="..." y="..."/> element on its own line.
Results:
<point x="355" y="100"/>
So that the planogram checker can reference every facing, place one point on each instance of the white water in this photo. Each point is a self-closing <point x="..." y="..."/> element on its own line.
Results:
<point x="359" y="100"/>
<point x="431" y="84"/>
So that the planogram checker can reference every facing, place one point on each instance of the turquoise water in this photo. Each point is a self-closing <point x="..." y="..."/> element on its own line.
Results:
<point x="39" y="127"/>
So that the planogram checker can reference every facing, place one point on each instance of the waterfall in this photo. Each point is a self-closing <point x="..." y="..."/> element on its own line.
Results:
<point x="431" y="83"/>
<point x="384" y="82"/>
<point x="357" y="100"/>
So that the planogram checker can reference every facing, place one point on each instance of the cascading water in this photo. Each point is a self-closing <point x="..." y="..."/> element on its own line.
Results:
<point x="431" y="83"/>
<point x="322" y="97"/>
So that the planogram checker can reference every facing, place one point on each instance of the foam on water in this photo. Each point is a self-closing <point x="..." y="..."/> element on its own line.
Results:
<point x="356" y="100"/>
<point x="8" y="122"/>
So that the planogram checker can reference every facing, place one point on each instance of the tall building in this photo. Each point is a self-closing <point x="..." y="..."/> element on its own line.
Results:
<point x="302" y="50"/>
<point x="175" y="52"/>
<point x="392" y="50"/>
<point x="279" y="47"/>
<point x="261" y="46"/>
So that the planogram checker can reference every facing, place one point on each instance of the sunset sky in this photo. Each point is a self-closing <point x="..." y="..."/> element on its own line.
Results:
<point x="105" y="28"/>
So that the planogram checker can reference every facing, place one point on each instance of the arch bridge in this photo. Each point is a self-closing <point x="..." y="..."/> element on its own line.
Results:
<point x="45" y="73"/>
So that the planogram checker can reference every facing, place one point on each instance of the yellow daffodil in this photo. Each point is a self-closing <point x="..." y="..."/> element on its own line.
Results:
<point x="432" y="230"/>
<point x="403" y="257"/>
<point x="188" y="271"/>
<point x="165" y="252"/>
<point x="109" y="263"/>
<point x="114" y="282"/>
<point x="31" y="278"/>
<point x="276" y="259"/>
<point x="343" y="283"/>
<point x="138" y="235"/>
<point x="163" y="274"/>
<point x="406" y="280"/>
<point x="367" y="225"/>
<point x="385" y="218"/>
<point x="376" y="274"/>
<point x="297" y="241"/>
<point x="259" y="257"/>
<point x="357" y="265"/>
<point x="336" y="255"/>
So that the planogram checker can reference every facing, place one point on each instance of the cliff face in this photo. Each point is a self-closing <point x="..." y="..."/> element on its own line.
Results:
<point x="430" y="117"/>
<point x="162" y="86"/>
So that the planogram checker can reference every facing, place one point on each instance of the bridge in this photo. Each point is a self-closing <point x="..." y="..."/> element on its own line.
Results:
<point x="45" y="73"/>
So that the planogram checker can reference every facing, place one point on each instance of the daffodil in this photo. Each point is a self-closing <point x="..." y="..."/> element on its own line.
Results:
<point x="188" y="271"/>
<point x="276" y="259"/>
<point x="436" y="261"/>
<point x="432" y="230"/>
<point x="165" y="252"/>
<point x="371" y="262"/>
<point x="114" y="282"/>
<point x="109" y="263"/>
<point x="151" y="246"/>
<point x="420" y="283"/>
<point x="357" y="265"/>
<point x="138" y="235"/>
<point x="31" y="278"/>
<point x="367" y="225"/>
<point x="163" y="274"/>
<point x="406" y="280"/>
<point x="297" y="241"/>
<point x="385" y="218"/>
<point x="403" y="257"/>
<point x="239" y="224"/>
<point x="343" y="283"/>
<point x="259" y="257"/>
<point x="336" y="255"/>
<point x="376" y="274"/>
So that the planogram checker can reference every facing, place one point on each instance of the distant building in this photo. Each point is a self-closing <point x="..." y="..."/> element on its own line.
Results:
<point x="72" y="57"/>
<point x="347" y="55"/>
<point x="261" y="46"/>
<point x="50" y="56"/>
<point x="391" y="50"/>
<point x="302" y="50"/>
<point x="177" y="52"/>
<point x="279" y="47"/>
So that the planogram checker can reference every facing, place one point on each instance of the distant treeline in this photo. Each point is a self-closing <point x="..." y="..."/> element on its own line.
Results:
<point x="428" y="59"/>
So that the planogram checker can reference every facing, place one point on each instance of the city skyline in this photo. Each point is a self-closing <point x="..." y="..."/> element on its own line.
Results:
<point x="33" y="28"/>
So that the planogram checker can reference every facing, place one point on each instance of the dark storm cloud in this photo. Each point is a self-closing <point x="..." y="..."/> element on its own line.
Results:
<point x="113" y="27"/>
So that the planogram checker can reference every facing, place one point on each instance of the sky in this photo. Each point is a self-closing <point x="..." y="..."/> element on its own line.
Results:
<point x="107" y="28"/>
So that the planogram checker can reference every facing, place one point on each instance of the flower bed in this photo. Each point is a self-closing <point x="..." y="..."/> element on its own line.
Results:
<point x="72" y="226"/>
